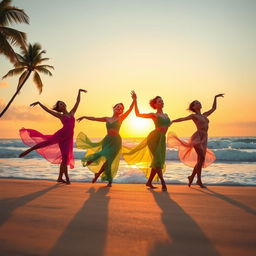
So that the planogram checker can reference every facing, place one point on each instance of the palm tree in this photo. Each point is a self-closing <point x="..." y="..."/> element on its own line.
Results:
<point x="8" y="36"/>
<point x="29" y="63"/>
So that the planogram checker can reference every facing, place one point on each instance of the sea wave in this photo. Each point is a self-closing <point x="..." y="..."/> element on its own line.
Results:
<point x="236" y="144"/>
<point x="176" y="172"/>
<point x="228" y="149"/>
<point x="222" y="155"/>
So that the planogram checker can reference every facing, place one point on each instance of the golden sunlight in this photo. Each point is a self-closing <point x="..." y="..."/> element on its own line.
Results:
<point x="137" y="127"/>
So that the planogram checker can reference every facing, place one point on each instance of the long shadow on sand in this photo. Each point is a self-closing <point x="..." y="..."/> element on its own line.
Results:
<point x="8" y="205"/>
<point x="227" y="199"/>
<point x="186" y="237"/>
<point x="86" y="232"/>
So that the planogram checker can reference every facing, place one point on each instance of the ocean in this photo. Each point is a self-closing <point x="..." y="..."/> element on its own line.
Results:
<point x="235" y="164"/>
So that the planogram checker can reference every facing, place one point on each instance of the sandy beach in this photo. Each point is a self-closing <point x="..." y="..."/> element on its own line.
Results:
<point x="44" y="218"/>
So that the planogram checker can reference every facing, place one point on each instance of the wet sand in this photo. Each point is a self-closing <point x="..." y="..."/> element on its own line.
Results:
<point x="45" y="218"/>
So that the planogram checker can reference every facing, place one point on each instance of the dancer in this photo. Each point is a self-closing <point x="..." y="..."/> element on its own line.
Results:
<point x="56" y="148"/>
<point x="149" y="155"/>
<point x="103" y="157"/>
<point x="195" y="153"/>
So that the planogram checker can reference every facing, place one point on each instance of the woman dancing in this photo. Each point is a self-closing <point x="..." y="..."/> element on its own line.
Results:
<point x="103" y="157"/>
<point x="56" y="148"/>
<point x="149" y="155"/>
<point x="195" y="153"/>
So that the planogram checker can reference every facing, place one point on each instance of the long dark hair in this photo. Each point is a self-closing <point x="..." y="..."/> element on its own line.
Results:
<point x="56" y="106"/>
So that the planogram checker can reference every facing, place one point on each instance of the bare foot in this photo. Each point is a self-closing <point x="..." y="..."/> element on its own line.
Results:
<point x="96" y="176"/>
<point x="190" y="180"/>
<point x="164" y="188"/>
<point x="200" y="184"/>
<point x="88" y="163"/>
<point x="61" y="180"/>
<point x="150" y="185"/>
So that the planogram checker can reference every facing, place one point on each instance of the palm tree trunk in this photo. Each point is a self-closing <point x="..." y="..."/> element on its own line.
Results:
<point x="15" y="94"/>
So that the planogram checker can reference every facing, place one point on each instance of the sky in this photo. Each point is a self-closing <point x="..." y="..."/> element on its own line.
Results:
<point x="181" y="50"/>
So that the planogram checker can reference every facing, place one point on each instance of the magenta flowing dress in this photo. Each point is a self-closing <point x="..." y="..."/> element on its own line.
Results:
<point x="56" y="148"/>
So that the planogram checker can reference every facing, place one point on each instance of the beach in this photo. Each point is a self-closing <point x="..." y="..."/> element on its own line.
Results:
<point x="98" y="91"/>
<point x="44" y="218"/>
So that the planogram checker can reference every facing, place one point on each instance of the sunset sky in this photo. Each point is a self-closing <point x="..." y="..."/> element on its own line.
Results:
<point x="181" y="50"/>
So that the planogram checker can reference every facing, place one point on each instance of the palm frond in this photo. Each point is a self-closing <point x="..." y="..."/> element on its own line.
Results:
<point x="42" y="52"/>
<point x="20" y="57"/>
<point x="32" y="53"/>
<point x="42" y="60"/>
<point x="22" y="78"/>
<point x="10" y="14"/>
<point x="24" y="51"/>
<point x="15" y="37"/>
<point x="43" y="70"/>
<point x="37" y="56"/>
<point x="21" y="65"/>
<point x="27" y="63"/>
<point x="4" y="3"/>
<point x="45" y="66"/>
<point x="38" y="59"/>
<point x="36" y="47"/>
<point x="7" y="50"/>
<point x="13" y="72"/>
<point x="38" y="81"/>
<point x="22" y="62"/>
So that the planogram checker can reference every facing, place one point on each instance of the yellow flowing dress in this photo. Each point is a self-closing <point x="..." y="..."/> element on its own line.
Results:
<point x="151" y="152"/>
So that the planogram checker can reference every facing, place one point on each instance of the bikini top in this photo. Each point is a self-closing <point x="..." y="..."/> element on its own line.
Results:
<point x="162" y="121"/>
<point x="113" y="125"/>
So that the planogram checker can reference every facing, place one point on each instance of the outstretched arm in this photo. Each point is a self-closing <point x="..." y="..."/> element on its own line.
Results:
<point x="134" y="97"/>
<point x="99" y="119"/>
<point x="214" y="105"/>
<point x="73" y="111"/>
<point x="182" y="119"/>
<point x="56" y="114"/>
<point x="137" y="112"/>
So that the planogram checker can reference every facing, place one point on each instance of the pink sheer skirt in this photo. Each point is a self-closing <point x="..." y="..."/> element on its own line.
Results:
<point x="186" y="149"/>
<point x="56" y="148"/>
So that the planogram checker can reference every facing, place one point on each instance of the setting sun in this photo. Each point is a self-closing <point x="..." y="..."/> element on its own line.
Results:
<point x="137" y="127"/>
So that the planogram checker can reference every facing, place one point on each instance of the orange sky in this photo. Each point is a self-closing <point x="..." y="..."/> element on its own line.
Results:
<point x="180" y="50"/>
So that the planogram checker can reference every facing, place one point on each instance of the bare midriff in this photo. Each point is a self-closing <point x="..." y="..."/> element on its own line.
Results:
<point x="162" y="129"/>
<point x="205" y="130"/>
<point x="202" y="123"/>
<point x="112" y="132"/>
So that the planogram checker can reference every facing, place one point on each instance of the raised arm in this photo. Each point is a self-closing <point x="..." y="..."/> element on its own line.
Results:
<point x="214" y="105"/>
<point x="56" y="114"/>
<point x="134" y="97"/>
<point x="99" y="119"/>
<point x="137" y="112"/>
<point x="73" y="110"/>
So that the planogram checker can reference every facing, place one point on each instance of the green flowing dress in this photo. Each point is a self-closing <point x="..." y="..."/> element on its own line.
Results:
<point x="103" y="154"/>
<point x="151" y="152"/>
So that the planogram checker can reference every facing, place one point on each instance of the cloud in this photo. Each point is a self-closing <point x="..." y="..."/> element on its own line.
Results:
<point x="21" y="112"/>
<point x="4" y="84"/>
